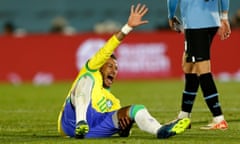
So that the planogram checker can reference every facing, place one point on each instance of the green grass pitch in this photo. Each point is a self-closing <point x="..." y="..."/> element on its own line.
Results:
<point x="28" y="113"/>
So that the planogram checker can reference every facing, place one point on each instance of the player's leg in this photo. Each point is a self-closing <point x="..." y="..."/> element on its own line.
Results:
<point x="191" y="77"/>
<point x="211" y="96"/>
<point x="66" y="120"/>
<point x="80" y="98"/>
<point x="140" y="115"/>
<point x="206" y="80"/>
<point x="144" y="119"/>
<point x="190" y="89"/>
<point x="121" y="121"/>
<point x="124" y="121"/>
<point x="101" y="125"/>
<point x="146" y="122"/>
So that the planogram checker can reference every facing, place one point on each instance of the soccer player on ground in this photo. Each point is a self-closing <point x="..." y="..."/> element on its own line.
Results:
<point x="202" y="19"/>
<point x="92" y="111"/>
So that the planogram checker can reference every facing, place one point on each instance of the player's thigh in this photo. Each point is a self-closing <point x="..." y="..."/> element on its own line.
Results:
<point x="103" y="125"/>
<point x="198" y="43"/>
<point x="68" y="120"/>
<point x="203" y="67"/>
<point x="188" y="67"/>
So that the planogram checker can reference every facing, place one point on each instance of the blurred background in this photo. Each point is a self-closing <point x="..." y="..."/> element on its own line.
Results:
<point x="39" y="16"/>
<point x="42" y="16"/>
<point x="43" y="41"/>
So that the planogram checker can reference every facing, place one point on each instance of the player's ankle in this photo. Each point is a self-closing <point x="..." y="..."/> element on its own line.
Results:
<point x="183" y="114"/>
<point x="218" y="119"/>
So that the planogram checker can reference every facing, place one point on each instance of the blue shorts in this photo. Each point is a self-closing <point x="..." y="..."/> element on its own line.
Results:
<point x="100" y="124"/>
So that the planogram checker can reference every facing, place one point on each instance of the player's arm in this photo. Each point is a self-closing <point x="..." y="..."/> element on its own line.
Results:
<point x="134" y="20"/>
<point x="224" y="30"/>
<point x="172" y="7"/>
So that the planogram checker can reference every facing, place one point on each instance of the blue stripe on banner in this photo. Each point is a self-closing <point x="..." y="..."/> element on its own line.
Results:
<point x="190" y="93"/>
<point x="211" y="96"/>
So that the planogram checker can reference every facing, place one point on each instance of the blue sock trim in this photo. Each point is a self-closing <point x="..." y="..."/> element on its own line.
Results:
<point x="211" y="96"/>
<point x="190" y="93"/>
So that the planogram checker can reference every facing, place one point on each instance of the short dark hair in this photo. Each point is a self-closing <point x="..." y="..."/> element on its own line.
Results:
<point x="113" y="56"/>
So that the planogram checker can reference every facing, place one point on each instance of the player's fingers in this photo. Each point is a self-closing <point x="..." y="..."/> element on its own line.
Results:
<point x="228" y="31"/>
<point x="224" y="32"/>
<point x="176" y="20"/>
<point x="142" y="8"/>
<point x="122" y="123"/>
<point x="127" y="121"/>
<point x="144" y="22"/>
<point x="132" y="9"/>
<point x="226" y="35"/>
<point x="170" y="23"/>
<point x="221" y="35"/>
<point x="137" y="8"/>
<point x="144" y="11"/>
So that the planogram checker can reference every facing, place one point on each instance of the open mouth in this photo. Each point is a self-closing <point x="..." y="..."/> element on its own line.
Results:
<point x="110" y="78"/>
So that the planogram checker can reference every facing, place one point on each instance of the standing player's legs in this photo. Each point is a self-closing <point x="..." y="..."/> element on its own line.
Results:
<point x="199" y="55"/>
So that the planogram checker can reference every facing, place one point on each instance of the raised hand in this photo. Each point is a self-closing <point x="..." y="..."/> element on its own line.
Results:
<point x="136" y="15"/>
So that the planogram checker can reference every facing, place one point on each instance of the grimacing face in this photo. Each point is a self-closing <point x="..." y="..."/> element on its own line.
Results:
<point x="109" y="72"/>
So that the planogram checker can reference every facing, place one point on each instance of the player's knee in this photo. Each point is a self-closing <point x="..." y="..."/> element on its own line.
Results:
<point x="134" y="109"/>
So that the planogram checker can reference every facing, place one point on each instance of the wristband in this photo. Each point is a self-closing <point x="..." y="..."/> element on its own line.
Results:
<point x="224" y="16"/>
<point x="126" y="29"/>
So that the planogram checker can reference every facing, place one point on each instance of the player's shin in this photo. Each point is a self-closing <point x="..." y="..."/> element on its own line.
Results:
<point x="189" y="94"/>
<point x="144" y="120"/>
<point x="80" y="97"/>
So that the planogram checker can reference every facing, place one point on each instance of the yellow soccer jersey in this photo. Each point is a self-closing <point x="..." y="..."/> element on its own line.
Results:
<point x="102" y="99"/>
